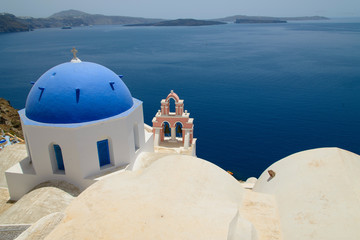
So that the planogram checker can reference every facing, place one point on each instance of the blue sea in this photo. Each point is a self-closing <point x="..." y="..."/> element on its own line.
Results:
<point x="257" y="92"/>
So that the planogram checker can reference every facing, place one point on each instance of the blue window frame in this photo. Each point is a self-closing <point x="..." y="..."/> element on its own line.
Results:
<point x="103" y="152"/>
<point x="59" y="157"/>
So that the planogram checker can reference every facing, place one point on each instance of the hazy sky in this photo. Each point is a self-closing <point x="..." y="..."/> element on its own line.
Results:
<point x="186" y="8"/>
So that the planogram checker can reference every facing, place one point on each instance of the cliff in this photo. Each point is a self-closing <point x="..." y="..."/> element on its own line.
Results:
<point x="98" y="19"/>
<point x="10" y="119"/>
<point x="10" y="23"/>
<point x="74" y="18"/>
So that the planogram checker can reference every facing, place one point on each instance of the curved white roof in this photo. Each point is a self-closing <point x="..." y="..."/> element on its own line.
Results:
<point x="45" y="198"/>
<point x="318" y="194"/>
<point x="176" y="197"/>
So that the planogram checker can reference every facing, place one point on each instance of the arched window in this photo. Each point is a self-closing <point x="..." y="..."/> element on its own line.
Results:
<point x="59" y="157"/>
<point x="172" y="104"/>
<point x="167" y="131"/>
<point x="56" y="158"/>
<point x="103" y="152"/>
<point x="178" y="129"/>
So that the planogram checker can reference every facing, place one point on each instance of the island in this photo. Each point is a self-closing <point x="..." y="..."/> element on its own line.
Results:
<point x="259" y="21"/>
<point x="10" y="23"/>
<point x="244" y="18"/>
<point x="69" y="18"/>
<point x="180" y="22"/>
<point x="75" y="18"/>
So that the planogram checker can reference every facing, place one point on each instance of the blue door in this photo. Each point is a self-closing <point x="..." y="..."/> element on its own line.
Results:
<point x="59" y="157"/>
<point x="103" y="152"/>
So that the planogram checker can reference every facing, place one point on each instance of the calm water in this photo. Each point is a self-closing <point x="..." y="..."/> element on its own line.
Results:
<point x="258" y="93"/>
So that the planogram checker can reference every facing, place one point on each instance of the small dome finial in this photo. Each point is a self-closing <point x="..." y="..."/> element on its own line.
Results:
<point x="75" y="58"/>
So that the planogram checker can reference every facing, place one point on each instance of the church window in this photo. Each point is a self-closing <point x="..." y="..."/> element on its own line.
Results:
<point x="103" y="152"/>
<point x="167" y="132"/>
<point x="172" y="104"/>
<point x="59" y="157"/>
<point x="179" y="129"/>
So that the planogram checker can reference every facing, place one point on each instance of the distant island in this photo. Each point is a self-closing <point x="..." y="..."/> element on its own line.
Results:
<point x="180" y="22"/>
<point x="259" y="21"/>
<point x="74" y="18"/>
<point x="244" y="18"/>
<point x="10" y="23"/>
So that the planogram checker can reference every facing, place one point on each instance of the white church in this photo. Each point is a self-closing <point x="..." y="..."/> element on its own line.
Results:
<point x="80" y="122"/>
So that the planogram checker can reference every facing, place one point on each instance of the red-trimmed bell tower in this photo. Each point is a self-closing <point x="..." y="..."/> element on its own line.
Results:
<point x="172" y="128"/>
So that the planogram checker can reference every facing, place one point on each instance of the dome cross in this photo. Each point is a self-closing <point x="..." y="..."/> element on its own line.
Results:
<point x="74" y="51"/>
<point x="75" y="58"/>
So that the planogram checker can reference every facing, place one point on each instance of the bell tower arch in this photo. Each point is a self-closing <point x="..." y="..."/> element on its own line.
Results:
<point x="180" y="136"/>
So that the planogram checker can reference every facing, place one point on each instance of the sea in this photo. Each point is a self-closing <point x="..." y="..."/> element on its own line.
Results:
<point x="257" y="92"/>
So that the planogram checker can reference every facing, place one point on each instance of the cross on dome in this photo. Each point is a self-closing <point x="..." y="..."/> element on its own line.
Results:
<point x="74" y="51"/>
<point x="75" y="58"/>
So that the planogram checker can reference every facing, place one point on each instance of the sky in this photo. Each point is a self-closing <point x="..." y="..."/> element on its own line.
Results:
<point x="200" y="9"/>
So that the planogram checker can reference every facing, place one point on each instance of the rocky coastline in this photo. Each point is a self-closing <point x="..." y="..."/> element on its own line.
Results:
<point x="10" y="119"/>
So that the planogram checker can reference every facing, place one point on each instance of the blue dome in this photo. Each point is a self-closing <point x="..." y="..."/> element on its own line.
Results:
<point x="76" y="93"/>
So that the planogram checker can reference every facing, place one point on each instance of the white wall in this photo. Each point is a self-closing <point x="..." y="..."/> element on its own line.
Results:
<point x="79" y="149"/>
